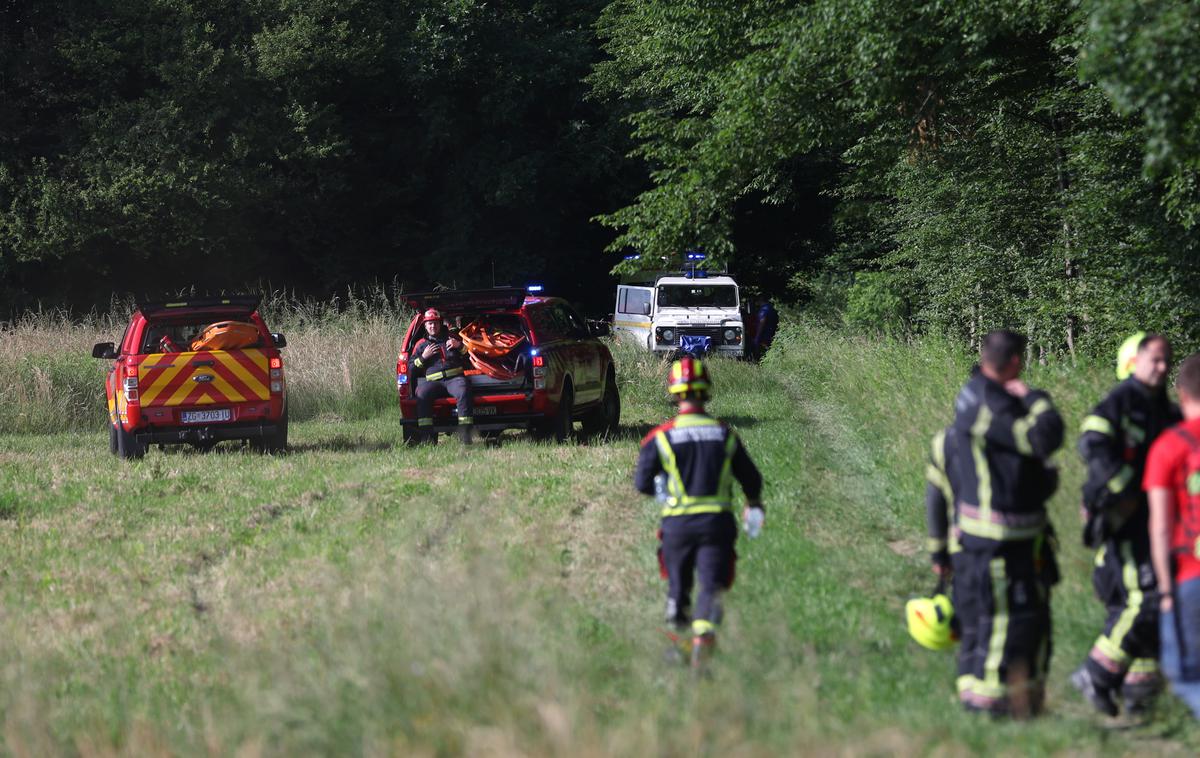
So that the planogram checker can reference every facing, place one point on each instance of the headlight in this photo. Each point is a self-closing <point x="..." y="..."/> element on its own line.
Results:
<point x="729" y="335"/>
<point x="668" y="335"/>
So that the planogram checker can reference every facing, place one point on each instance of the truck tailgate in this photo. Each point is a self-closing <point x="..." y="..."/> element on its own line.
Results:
<point x="203" y="378"/>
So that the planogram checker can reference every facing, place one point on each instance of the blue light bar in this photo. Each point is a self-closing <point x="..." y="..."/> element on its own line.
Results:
<point x="534" y="288"/>
<point x="632" y="257"/>
<point x="694" y="256"/>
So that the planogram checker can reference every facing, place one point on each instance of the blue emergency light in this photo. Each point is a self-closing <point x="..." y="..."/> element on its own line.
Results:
<point x="534" y="288"/>
<point x="632" y="257"/>
<point x="694" y="256"/>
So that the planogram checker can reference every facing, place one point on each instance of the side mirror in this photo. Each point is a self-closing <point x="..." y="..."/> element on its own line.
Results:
<point x="105" y="350"/>
<point x="279" y="339"/>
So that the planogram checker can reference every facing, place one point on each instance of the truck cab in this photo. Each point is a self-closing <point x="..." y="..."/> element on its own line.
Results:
<point x="533" y="364"/>
<point x="690" y="312"/>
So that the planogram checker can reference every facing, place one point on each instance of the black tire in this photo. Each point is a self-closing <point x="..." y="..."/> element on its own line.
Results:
<point x="563" y="424"/>
<point x="605" y="418"/>
<point x="112" y="439"/>
<point x="277" y="442"/>
<point x="410" y="435"/>
<point x="128" y="448"/>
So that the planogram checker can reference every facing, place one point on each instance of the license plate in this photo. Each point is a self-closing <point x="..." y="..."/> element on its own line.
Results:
<point x="205" y="417"/>
<point x="487" y="410"/>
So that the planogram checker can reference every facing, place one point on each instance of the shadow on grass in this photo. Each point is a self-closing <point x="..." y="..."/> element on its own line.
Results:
<point x="340" y="444"/>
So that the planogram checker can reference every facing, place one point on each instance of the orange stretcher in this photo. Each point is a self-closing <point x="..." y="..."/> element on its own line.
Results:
<point x="226" y="335"/>
<point x="490" y="349"/>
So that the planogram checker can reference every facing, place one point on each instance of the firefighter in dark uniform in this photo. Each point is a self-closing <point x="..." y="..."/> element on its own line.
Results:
<point x="1116" y="438"/>
<point x="699" y="457"/>
<point x="1003" y="573"/>
<point x="441" y="364"/>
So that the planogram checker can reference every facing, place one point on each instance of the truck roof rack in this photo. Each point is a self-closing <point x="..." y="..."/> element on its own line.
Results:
<point x="495" y="297"/>
<point x="247" y="303"/>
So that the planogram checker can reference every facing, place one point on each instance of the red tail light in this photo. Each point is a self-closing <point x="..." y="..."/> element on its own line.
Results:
<point x="539" y="360"/>
<point x="276" y="363"/>
<point x="131" y="371"/>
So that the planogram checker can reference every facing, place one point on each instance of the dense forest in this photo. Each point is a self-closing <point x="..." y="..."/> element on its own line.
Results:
<point x="943" y="166"/>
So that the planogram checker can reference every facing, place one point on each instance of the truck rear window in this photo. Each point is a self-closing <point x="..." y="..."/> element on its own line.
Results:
<point x="209" y="333"/>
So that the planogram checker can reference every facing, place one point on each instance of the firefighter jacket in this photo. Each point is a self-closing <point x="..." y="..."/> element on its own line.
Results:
<point x="1116" y="436"/>
<point x="701" y="457"/>
<point x="999" y="475"/>
<point x="448" y="362"/>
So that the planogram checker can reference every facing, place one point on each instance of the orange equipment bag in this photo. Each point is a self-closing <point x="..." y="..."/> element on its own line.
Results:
<point x="226" y="335"/>
<point x="490" y="350"/>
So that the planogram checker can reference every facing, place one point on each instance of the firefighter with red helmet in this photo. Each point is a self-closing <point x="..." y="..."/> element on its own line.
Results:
<point x="441" y="364"/>
<point x="693" y="459"/>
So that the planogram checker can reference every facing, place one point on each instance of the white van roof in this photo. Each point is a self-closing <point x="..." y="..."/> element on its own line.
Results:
<point x="686" y="280"/>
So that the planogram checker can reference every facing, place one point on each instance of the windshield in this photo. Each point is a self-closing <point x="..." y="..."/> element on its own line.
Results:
<point x="697" y="296"/>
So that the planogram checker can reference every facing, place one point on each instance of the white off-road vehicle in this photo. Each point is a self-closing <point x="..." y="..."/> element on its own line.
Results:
<point x="691" y="312"/>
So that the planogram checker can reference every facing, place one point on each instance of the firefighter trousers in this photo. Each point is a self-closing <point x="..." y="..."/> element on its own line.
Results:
<point x="1126" y="654"/>
<point x="456" y="387"/>
<point x="698" y="548"/>
<point x="1002" y="602"/>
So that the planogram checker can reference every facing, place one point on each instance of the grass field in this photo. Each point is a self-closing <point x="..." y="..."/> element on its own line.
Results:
<point x="357" y="597"/>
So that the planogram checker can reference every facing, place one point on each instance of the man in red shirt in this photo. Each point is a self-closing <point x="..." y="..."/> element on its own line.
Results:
<point x="1172" y="483"/>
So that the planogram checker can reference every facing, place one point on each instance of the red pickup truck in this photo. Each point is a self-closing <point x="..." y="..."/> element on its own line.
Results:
<point x="195" y="372"/>
<point x="547" y="372"/>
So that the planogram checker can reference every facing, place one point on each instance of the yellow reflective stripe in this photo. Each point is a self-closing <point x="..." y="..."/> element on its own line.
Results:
<point x="417" y="362"/>
<point x="624" y="322"/>
<point x="1022" y="425"/>
<point x="978" y="527"/>
<point x="667" y="456"/>
<point x="689" y="420"/>
<point x="252" y="382"/>
<point x="1144" y="666"/>
<point x="1099" y="424"/>
<point x="982" y="472"/>
<point x="1119" y="482"/>
<point x="725" y="482"/>
<point x="934" y="476"/>
<point x="975" y="685"/>
<point x="465" y="420"/>
<point x="164" y="379"/>
<point x="1133" y="431"/>
<point x="934" y="545"/>
<point x="1100" y="555"/>
<point x="424" y="422"/>
<point x="449" y="373"/>
<point x="692" y="510"/>
<point x="701" y="627"/>
<point x="1133" y="606"/>
<point x="991" y="666"/>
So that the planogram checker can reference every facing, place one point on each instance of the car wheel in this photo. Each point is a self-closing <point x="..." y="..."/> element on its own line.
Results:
<point x="606" y="417"/>
<point x="277" y="442"/>
<point x="564" y="423"/>
<point x="128" y="447"/>
<point x="410" y="435"/>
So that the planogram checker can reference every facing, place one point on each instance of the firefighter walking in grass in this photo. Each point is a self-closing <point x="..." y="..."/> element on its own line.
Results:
<point x="1005" y="433"/>
<point x="1116" y="437"/>
<point x="698" y="457"/>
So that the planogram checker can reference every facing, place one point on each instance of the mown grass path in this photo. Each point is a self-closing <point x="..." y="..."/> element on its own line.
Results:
<point x="355" y="596"/>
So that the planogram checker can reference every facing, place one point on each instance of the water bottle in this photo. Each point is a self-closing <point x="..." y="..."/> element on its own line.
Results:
<point x="660" y="488"/>
<point x="754" y="522"/>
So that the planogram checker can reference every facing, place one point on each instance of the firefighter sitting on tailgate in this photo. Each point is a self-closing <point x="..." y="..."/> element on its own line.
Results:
<point x="1116" y="439"/>
<point x="441" y="364"/>
<point x="1005" y="568"/>
<point x="700" y="457"/>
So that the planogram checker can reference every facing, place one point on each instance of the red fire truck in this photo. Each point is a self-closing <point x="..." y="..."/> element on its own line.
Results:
<point x="535" y="365"/>
<point x="197" y="372"/>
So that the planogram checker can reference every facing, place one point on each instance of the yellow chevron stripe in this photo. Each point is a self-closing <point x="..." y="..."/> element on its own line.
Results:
<point x="148" y="394"/>
<point x="181" y="394"/>
<point x="252" y="382"/>
<point x="225" y="388"/>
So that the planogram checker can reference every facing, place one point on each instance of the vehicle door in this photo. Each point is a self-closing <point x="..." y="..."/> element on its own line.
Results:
<point x="585" y="357"/>
<point x="632" y="317"/>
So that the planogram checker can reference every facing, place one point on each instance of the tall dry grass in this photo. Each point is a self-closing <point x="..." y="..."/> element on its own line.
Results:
<point x="340" y="360"/>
